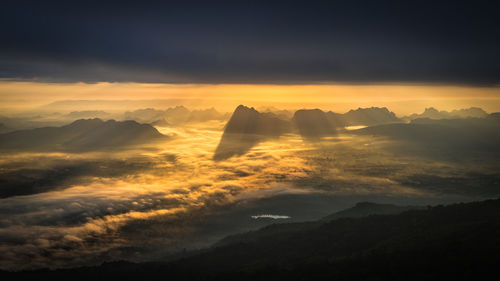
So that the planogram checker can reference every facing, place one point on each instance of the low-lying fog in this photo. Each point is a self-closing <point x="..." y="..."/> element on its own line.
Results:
<point x="149" y="201"/>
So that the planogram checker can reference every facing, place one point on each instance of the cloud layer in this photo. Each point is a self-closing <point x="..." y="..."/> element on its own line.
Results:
<point x="251" y="41"/>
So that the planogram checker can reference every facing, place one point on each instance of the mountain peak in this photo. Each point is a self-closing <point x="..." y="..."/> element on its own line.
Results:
<point x="243" y="108"/>
<point x="250" y="121"/>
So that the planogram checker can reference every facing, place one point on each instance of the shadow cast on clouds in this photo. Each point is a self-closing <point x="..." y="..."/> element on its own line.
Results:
<point x="235" y="145"/>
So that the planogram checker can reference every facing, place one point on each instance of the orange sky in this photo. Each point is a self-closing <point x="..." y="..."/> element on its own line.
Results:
<point x="402" y="99"/>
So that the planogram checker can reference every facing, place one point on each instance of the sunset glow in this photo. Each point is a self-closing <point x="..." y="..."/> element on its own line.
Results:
<point x="402" y="99"/>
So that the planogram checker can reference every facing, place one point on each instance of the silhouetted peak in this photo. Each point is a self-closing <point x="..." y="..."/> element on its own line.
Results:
<point x="250" y="121"/>
<point x="431" y="110"/>
<point x="244" y="112"/>
<point x="370" y="116"/>
<point x="179" y="109"/>
<point x="91" y="120"/>
<point x="370" y="109"/>
<point x="86" y="123"/>
<point x="470" y="112"/>
<point x="242" y="108"/>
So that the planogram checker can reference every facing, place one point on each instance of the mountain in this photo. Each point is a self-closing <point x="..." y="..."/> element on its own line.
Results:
<point x="452" y="137"/>
<point x="491" y="121"/>
<point x="145" y="115"/>
<point x="313" y="123"/>
<point x="173" y="115"/>
<point x="177" y="115"/>
<point x="454" y="242"/>
<point x="432" y="113"/>
<point x="281" y="113"/>
<point x="86" y="114"/>
<point x="316" y="122"/>
<point x="474" y="112"/>
<point x="247" y="120"/>
<point x="336" y="119"/>
<point x="246" y="128"/>
<point x="81" y="135"/>
<point x="370" y="116"/>
<point x="201" y="115"/>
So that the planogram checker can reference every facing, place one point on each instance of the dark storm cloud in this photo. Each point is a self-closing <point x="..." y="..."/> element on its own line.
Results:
<point x="250" y="41"/>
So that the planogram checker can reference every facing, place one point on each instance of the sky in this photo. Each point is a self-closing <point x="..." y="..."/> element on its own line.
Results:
<point x="403" y="99"/>
<point x="206" y="44"/>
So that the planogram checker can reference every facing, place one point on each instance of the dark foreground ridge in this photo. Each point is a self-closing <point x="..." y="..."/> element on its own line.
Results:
<point x="456" y="242"/>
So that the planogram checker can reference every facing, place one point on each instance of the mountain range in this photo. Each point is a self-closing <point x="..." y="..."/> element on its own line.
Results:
<point x="81" y="135"/>
<point x="307" y="122"/>
<point x="432" y="113"/>
<point x="442" y="139"/>
<point x="475" y="131"/>
<point x="173" y="115"/>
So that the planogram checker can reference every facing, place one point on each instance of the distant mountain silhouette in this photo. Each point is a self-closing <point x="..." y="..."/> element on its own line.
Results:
<point x="336" y="119"/>
<point x="370" y="116"/>
<point x="455" y="242"/>
<point x="160" y="122"/>
<point x="86" y="114"/>
<point x="174" y="115"/>
<point x="145" y="115"/>
<point x="432" y="113"/>
<point x="246" y="128"/>
<point x="318" y="122"/>
<point x="81" y="135"/>
<point x="490" y="122"/>
<point x="201" y="115"/>
<point x="281" y="113"/>
<point x="178" y="114"/>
